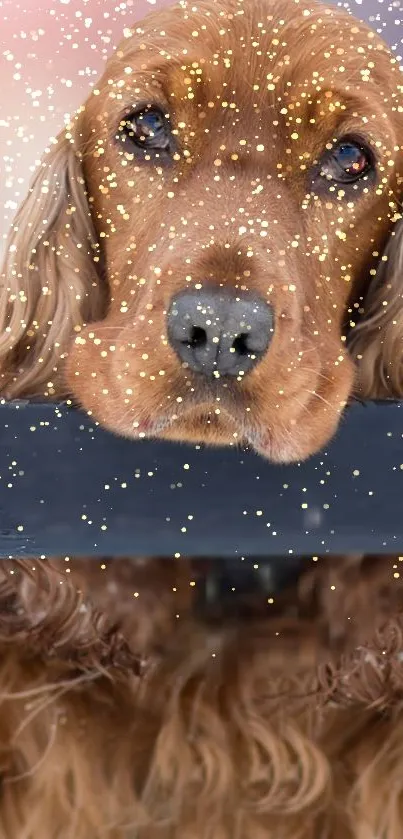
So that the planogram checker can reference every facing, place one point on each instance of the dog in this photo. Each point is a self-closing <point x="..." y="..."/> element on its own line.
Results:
<point x="211" y="251"/>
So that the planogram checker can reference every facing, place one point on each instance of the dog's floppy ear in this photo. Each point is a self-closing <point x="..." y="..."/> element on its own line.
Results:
<point x="51" y="278"/>
<point x="377" y="341"/>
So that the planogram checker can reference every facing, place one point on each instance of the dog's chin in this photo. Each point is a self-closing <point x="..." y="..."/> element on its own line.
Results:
<point x="298" y="431"/>
<point x="203" y="429"/>
<point x="213" y="414"/>
<point x="279" y="444"/>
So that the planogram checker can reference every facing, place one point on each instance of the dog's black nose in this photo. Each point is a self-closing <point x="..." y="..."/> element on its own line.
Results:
<point x="219" y="332"/>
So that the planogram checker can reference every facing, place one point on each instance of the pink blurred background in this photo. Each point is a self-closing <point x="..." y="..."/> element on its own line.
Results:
<point x="52" y="53"/>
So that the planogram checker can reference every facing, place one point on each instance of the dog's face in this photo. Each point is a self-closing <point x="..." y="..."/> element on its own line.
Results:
<point x="242" y="164"/>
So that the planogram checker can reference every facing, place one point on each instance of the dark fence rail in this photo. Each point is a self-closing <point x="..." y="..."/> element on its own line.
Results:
<point x="68" y="487"/>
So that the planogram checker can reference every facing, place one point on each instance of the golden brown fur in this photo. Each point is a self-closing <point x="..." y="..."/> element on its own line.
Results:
<point x="121" y="716"/>
<point x="124" y="716"/>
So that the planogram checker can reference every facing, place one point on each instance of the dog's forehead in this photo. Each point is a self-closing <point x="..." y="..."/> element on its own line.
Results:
<point x="247" y="44"/>
<point x="229" y="62"/>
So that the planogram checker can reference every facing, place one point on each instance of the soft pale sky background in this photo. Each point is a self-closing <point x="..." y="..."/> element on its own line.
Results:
<point x="53" y="51"/>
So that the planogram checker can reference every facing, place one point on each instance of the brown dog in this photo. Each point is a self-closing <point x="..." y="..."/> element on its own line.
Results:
<point x="208" y="229"/>
<point x="211" y="251"/>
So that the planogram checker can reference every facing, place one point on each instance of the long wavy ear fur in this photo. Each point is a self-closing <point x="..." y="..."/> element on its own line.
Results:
<point x="377" y="342"/>
<point x="51" y="277"/>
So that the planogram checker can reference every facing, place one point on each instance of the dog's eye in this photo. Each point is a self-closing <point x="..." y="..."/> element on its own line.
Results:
<point x="347" y="162"/>
<point x="148" y="129"/>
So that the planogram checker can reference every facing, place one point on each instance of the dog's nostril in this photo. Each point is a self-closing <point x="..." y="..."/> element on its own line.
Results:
<point x="197" y="337"/>
<point x="240" y="345"/>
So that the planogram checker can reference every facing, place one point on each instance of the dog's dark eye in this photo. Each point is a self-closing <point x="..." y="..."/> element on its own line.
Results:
<point x="347" y="162"/>
<point x="148" y="129"/>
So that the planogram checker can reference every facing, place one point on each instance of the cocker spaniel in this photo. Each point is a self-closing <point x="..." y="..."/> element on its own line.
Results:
<point x="212" y="250"/>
